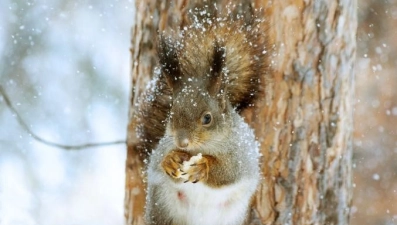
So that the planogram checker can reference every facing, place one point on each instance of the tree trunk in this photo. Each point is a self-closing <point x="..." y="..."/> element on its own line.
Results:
<point x="305" y="130"/>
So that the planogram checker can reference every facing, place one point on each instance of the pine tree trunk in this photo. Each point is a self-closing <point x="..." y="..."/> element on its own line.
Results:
<point x="305" y="130"/>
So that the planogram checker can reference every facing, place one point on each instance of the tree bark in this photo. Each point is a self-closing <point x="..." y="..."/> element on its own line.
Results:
<point x="305" y="130"/>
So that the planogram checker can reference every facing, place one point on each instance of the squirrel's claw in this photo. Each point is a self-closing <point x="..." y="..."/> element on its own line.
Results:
<point x="172" y="163"/>
<point x="198" y="171"/>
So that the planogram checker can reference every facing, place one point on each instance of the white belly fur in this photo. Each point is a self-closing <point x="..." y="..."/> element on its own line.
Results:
<point x="201" y="204"/>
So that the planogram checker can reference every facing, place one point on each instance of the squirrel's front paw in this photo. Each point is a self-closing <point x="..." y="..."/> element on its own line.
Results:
<point x="173" y="163"/>
<point x="196" y="169"/>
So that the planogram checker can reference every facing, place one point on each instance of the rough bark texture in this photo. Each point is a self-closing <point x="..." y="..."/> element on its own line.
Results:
<point x="305" y="130"/>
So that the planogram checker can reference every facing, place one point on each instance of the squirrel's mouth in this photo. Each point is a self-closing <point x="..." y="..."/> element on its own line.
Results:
<point x="189" y="146"/>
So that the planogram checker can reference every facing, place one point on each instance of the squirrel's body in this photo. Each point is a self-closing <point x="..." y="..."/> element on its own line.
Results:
<point x="171" y="202"/>
<point x="205" y="169"/>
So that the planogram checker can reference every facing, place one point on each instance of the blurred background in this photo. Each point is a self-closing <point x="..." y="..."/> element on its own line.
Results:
<point x="375" y="117"/>
<point x="65" y="67"/>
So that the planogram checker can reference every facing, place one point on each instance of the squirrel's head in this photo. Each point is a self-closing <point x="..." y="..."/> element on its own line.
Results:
<point x="200" y="111"/>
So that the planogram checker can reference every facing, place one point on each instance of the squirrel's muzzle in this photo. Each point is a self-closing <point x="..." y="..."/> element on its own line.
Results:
<point x="182" y="139"/>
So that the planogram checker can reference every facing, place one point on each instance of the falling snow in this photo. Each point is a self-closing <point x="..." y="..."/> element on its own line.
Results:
<point x="65" y="67"/>
<point x="375" y="135"/>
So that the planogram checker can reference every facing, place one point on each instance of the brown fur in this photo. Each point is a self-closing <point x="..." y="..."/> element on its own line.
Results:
<point x="211" y="68"/>
<point x="245" y="57"/>
<point x="221" y="43"/>
<point x="151" y="117"/>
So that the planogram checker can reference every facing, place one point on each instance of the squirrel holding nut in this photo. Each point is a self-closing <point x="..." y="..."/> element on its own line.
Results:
<point x="205" y="169"/>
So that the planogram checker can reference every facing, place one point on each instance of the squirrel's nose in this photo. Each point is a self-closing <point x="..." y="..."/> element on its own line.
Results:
<point x="182" y="138"/>
<point x="182" y="142"/>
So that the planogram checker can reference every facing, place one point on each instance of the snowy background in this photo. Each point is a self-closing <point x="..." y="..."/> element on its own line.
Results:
<point x="65" y="67"/>
<point x="375" y="116"/>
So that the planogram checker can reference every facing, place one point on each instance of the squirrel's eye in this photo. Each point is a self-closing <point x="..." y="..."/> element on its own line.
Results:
<point x="207" y="119"/>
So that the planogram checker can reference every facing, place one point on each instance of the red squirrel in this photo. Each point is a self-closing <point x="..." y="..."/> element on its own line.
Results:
<point x="205" y="169"/>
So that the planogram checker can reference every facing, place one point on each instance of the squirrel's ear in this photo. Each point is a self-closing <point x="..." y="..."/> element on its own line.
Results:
<point x="169" y="62"/>
<point x="216" y="84"/>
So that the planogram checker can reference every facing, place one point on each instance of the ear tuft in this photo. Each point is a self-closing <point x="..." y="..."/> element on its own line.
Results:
<point x="216" y="85"/>
<point x="169" y="62"/>
<point x="218" y="59"/>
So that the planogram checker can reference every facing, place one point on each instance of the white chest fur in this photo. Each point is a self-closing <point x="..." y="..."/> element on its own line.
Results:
<point x="171" y="202"/>
<point x="194" y="204"/>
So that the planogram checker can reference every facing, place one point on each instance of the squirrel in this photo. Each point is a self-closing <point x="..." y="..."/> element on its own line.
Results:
<point x="248" y="76"/>
<point x="205" y="169"/>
